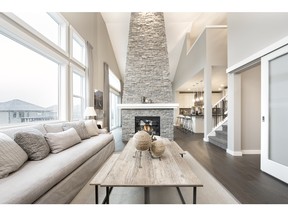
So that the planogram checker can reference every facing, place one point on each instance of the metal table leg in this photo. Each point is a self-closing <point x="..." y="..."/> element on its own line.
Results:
<point x="194" y="195"/>
<point x="96" y="194"/>
<point x="146" y="195"/>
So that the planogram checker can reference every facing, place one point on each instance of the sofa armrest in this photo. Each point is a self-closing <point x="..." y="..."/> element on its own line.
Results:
<point x="103" y="130"/>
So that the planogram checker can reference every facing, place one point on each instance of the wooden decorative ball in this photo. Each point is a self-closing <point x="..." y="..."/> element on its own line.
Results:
<point x="157" y="148"/>
<point x="142" y="140"/>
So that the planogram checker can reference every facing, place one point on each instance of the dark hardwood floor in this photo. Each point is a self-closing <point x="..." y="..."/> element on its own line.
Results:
<point x="240" y="175"/>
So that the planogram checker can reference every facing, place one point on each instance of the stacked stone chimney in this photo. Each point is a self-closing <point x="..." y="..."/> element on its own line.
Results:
<point x="147" y="72"/>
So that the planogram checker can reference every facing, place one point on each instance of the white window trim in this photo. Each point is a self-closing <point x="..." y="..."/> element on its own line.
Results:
<point x="81" y="41"/>
<point x="14" y="33"/>
<point x="58" y="18"/>
<point x="76" y="69"/>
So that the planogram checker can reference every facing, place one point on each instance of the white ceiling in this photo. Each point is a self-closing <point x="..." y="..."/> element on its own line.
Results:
<point x="177" y="25"/>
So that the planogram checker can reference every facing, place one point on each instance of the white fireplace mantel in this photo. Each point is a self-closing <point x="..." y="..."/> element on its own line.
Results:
<point x="149" y="106"/>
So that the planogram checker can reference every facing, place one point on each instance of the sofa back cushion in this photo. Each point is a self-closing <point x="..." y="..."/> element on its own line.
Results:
<point x="12" y="131"/>
<point x="80" y="128"/>
<point x="12" y="156"/>
<point x="32" y="141"/>
<point x="54" y="128"/>
<point x="62" y="140"/>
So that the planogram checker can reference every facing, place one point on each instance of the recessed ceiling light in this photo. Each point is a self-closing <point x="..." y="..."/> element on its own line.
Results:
<point x="219" y="88"/>
<point x="222" y="85"/>
<point x="188" y="89"/>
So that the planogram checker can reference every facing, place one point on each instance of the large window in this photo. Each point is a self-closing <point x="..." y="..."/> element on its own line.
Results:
<point x="35" y="82"/>
<point x="77" y="47"/>
<point x="29" y="84"/>
<point x="78" y="95"/>
<point x="49" y="25"/>
<point x="115" y="99"/>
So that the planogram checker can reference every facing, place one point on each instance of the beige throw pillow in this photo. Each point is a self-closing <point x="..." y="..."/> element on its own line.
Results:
<point x="12" y="156"/>
<point x="92" y="127"/>
<point x="62" y="140"/>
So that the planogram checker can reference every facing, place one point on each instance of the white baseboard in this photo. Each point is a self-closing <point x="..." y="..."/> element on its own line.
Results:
<point x="234" y="153"/>
<point x="251" y="151"/>
<point x="206" y="139"/>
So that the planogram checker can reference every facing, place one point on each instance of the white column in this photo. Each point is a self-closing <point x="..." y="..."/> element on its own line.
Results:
<point x="234" y="114"/>
<point x="207" y="102"/>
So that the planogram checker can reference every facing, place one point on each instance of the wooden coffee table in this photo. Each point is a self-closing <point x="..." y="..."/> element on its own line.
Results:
<point x="123" y="170"/>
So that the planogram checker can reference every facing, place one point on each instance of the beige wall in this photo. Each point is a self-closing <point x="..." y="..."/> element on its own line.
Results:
<point x="93" y="29"/>
<point x="251" y="108"/>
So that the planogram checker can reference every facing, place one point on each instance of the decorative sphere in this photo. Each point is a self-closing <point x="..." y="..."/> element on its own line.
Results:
<point x="142" y="140"/>
<point x="157" y="148"/>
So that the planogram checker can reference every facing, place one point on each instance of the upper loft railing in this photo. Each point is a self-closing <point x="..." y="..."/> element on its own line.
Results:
<point x="220" y="111"/>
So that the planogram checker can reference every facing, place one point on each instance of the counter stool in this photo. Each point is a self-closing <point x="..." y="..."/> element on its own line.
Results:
<point x="188" y="124"/>
<point x="180" y="121"/>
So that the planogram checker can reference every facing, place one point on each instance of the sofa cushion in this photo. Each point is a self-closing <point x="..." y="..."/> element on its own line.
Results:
<point x="80" y="127"/>
<point x="12" y="131"/>
<point x="62" y="140"/>
<point x="32" y="141"/>
<point x="92" y="127"/>
<point x="53" y="128"/>
<point x="12" y="156"/>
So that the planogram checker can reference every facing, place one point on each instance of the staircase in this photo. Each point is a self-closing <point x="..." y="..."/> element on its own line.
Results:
<point x="220" y="138"/>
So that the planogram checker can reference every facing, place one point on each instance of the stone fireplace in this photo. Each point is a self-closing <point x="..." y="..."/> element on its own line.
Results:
<point x="147" y="75"/>
<point x="150" y="124"/>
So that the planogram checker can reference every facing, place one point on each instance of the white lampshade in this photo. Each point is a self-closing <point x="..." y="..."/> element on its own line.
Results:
<point x="89" y="111"/>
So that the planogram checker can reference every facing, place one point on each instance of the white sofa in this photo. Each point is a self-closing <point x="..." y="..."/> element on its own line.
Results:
<point x="59" y="176"/>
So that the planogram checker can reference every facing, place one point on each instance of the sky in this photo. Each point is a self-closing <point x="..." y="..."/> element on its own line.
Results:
<point x="32" y="78"/>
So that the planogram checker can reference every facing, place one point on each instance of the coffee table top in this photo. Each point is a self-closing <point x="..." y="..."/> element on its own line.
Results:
<point x="171" y="170"/>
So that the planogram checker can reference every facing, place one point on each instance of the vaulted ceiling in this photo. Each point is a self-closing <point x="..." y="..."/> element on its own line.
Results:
<point x="178" y="27"/>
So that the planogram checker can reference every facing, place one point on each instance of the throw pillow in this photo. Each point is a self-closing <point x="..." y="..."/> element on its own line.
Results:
<point x="80" y="127"/>
<point x="92" y="127"/>
<point x="12" y="156"/>
<point x="32" y="141"/>
<point x="62" y="140"/>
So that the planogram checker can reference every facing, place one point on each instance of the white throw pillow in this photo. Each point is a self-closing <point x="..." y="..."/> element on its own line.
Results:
<point x="62" y="140"/>
<point x="12" y="156"/>
<point x="92" y="127"/>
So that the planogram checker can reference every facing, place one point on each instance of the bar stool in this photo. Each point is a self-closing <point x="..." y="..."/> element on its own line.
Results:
<point x="188" y="124"/>
<point x="180" y="121"/>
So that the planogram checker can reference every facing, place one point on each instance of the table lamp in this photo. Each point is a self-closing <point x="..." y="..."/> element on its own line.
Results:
<point x="90" y="112"/>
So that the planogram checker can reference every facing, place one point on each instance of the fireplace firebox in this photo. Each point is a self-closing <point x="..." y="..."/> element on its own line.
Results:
<point x="150" y="124"/>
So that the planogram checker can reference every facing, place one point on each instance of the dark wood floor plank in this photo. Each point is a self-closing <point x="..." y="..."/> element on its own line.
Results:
<point x="240" y="175"/>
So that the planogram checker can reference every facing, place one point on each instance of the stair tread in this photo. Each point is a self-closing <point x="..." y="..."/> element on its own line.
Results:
<point x="218" y="139"/>
<point x="222" y="132"/>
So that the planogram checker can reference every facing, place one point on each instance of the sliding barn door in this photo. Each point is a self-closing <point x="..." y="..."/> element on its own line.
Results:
<point x="274" y="108"/>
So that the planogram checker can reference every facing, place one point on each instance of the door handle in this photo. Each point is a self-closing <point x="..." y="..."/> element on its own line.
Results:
<point x="263" y="118"/>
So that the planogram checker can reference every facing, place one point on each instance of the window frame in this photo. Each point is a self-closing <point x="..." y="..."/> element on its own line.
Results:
<point x="62" y="23"/>
<point x="79" y="71"/>
<point x="81" y="42"/>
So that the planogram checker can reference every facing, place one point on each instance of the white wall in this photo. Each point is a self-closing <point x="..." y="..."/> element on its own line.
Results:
<point x="192" y="63"/>
<point x="248" y="33"/>
<point x="251" y="109"/>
